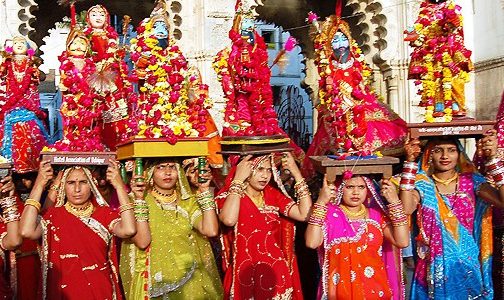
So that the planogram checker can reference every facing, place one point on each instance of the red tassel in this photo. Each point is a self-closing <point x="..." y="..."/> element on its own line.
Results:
<point x="73" y="16"/>
<point x="339" y="8"/>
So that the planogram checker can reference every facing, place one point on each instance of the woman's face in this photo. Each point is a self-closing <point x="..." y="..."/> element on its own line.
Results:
<point x="444" y="156"/>
<point x="261" y="176"/>
<point x="354" y="192"/>
<point x="19" y="46"/>
<point x="77" y="187"/>
<point x="97" y="18"/>
<point x="165" y="176"/>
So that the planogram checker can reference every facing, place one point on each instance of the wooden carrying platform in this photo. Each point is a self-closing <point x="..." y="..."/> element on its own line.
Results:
<point x="335" y="167"/>
<point x="79" y="158"/>
<point x="141" y="147"/>
<point x="255" y="145"/>
<point x="462" y="129"/>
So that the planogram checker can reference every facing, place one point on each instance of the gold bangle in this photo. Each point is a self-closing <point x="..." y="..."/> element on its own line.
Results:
<point x="125" y="207"/>
<point x="34" y="203"/>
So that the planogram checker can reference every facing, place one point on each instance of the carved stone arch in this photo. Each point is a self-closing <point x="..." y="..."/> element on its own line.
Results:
<point x="368" y="29"/>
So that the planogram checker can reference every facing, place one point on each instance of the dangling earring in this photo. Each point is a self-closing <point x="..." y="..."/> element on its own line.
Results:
<point x="151" y="182"/>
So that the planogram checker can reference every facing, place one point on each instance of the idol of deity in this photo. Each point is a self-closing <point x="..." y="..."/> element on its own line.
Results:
<point x="440" y="62"/>
<point x="110" y="80"/>
<point x="22" y="131"/>
<point x="173" y="102"/>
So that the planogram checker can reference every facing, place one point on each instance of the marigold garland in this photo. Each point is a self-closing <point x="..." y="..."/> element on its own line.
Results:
<point x="440" y="62"/>
<point x="164" y="108"/>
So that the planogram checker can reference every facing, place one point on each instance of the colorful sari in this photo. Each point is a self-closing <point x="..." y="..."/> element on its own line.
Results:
<point x="357" y="262"/>
<point x="258" y="252"/>
<point x="454" y="244"/>
<point x="179" y="262"/>
<point x="78" y="255"/>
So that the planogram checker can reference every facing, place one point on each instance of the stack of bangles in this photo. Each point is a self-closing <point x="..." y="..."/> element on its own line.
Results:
<point x="318" y="215"/>
<point x="10" y="210"/>
<point x="396" y="214"/>
<point x="141" y="210"/>
<point x="237" y="187"/>
<point x="125" y="207"/>
<point x="206" y="201"/>
<point x="33" y="203"/>
<point x="301" y="189"/>
<point x="408" y="176"/>
<point x="495" y="168"/>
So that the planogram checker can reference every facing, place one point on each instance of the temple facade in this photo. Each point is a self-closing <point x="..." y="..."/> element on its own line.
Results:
<point x="378" y="26"/>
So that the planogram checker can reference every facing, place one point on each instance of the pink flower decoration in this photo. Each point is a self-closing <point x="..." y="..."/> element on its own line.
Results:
<point x="347" y="174"/>
<point x="9" y="49"/>
<point x="290" y="44"/>
<point x="312" y="17"/>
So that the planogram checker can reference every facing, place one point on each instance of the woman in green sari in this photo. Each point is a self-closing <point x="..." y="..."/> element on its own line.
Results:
<point x="174" y="265"/>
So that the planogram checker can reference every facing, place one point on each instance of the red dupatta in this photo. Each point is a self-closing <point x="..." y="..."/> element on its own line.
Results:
<point x="78" y="255"/>
<point x="231" y="248"/>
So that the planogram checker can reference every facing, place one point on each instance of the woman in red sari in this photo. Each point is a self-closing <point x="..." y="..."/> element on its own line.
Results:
<point x="354" y="240"/>
<point x="258" y="240"/>
<point x="78" y="255"/>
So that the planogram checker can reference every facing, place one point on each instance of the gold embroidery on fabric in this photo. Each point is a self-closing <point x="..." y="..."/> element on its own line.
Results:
<point x="92" y="267"/>
<point x="63" y="256"/>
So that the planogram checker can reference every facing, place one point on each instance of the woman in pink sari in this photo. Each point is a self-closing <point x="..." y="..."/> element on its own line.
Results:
<point x="355" y="240"/>
<point x="78" y="255"/>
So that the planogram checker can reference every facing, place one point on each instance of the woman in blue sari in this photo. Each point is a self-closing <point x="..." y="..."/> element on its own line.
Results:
<point x="452" y="203"/>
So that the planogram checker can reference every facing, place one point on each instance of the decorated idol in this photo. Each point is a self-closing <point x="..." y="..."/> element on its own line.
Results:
<point x="440" y="62"/>
<point x="22" y="131"/>
<point x="352" y="119"/>
<point x="168" y="105"/>
<point x="110" y="80"/>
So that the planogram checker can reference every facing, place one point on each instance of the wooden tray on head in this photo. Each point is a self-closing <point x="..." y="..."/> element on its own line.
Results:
<point x="79" y="158"/>
<point x="144" y="148"/>
<point x="254" y="145"/>
<point x="335" y="167"/>
<point x="460" y="129"/>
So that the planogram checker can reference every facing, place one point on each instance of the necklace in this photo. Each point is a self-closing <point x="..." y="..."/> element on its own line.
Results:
<point x="445" y="181"/>
<point x="81" y="212"/>
<point x="359" y="214"/>
<point x="163" y="198"/>
<point x="258" y="200"/>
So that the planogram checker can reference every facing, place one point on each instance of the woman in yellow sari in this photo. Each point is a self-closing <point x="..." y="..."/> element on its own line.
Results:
<point x="173" y="265"/>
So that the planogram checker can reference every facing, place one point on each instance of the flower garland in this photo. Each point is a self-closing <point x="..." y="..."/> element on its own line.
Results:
<point x="164" y="109"/>
<point x="344" y="89"/>
<point x="245" y="77"/>
<point x="80" y="110"/>
<point x="440" y="60"/>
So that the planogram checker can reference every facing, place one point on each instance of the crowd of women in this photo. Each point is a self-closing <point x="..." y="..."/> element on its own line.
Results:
<point x="184" y="229"/>
<point x="155" y="243"/>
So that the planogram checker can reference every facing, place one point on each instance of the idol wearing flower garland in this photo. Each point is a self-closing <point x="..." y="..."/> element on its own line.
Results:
<point x="258" y="238"/>
<point x="440" y="62"/>
<point x="164" y="109"/>
<point x="22" y="131"/>
<point x="351" y="117"/>
<point x="80" y="108"/>
<point x="454" y="217"/>
<point x="110" y="80"/>
<point x="79" y="259"/>
<point x="168" y="258"/>
<point x="245" y="76"/>
<point x="355" y="239"/>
